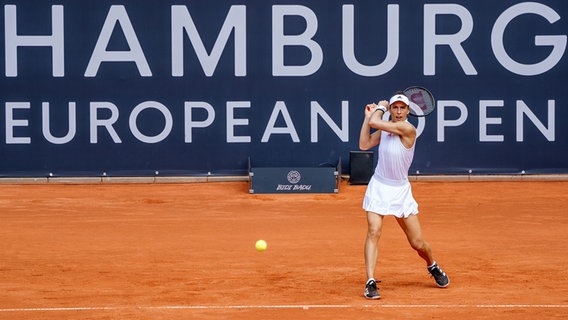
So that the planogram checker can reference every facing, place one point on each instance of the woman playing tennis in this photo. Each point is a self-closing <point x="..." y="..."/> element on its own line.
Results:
<point x="388" y="192"/>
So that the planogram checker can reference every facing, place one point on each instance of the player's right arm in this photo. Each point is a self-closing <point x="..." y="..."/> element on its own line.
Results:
<point x="368" y="139"/>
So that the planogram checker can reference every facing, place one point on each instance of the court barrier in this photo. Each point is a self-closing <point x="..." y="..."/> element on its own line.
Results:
<point x="324" y="179"/>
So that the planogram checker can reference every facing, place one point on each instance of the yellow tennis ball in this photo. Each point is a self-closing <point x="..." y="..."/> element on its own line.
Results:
<point x="261" y="245"/>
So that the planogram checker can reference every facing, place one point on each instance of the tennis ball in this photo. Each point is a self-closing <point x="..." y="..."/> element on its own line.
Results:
<point x="261" y="245"/>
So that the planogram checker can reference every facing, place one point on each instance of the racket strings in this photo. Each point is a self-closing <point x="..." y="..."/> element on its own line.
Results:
<point x="421" y="101"/>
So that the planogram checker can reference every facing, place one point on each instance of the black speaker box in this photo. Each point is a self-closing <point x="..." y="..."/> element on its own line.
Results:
<point x="360" y="167"/>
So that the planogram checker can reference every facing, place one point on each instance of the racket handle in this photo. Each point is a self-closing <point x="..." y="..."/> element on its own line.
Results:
<point x="368" y="108"/>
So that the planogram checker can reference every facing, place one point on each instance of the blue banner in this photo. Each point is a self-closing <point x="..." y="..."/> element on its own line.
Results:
<point x="146" y="87"/>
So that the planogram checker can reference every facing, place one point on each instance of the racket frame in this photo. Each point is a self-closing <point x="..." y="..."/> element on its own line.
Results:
<point x="428" y="96"/>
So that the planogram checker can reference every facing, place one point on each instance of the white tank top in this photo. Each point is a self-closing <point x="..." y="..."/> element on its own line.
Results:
<point x="394" y="158"/>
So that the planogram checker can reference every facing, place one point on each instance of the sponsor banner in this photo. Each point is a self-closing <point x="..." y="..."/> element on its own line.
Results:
<point x="293" y="180"/>
<point x="142" y="87"/>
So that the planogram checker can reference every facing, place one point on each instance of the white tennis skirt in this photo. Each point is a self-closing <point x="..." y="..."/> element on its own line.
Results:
<point x="389" y="197"/>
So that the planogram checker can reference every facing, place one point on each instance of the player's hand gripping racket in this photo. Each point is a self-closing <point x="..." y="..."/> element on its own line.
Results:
<point x="422" y="101"/>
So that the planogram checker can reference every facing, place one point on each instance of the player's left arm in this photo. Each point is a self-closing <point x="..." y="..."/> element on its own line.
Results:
<point x="404" y="129"/>
<point x="400" y="128"/>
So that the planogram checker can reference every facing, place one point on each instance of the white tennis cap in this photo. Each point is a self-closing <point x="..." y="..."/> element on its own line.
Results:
<point x="399" y="97"/>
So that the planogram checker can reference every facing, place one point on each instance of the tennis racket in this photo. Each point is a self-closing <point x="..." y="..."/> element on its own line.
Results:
<point x="422" y="101"/>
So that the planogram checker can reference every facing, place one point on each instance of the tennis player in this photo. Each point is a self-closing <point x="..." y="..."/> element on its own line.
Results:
<point x="388" y="192"/>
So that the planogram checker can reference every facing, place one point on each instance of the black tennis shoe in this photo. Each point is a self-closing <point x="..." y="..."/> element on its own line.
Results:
<point x="371" y="290"/>
<point x="440" y="276"/>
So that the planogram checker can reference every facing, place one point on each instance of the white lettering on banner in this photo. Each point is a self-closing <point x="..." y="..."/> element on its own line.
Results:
<point x="236" y="21"/>
<point x="523" y="109"/>
<point x="15" y="120"/>
<point x="316" y="110"/>
<point x="280" y="40"/>
<point x="293" y="187"/>
<point x="190" y="123"/>
<point x="348" y="43"/>
<point x="431" y="39"/>
<point x="45" y="120"/>
<point x="13" y="41"/>
<point x="484" y="120"/>
<point x="118" y="15"/>
<point x="558" y="43"/>
<point x="232" y="122"/>
<point x="11" y="123"/>
<point x="134" y="126"/>
<point x="95" y="122"/>
<point x="443" y="123"/>
<point x="280" y="108"/>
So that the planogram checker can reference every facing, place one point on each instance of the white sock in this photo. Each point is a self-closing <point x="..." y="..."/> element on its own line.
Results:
<point x="370" y="280"/>
<point x="433" y="264"/>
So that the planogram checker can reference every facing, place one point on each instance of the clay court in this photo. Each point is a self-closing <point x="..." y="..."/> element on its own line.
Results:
<point x="186" y="251"/>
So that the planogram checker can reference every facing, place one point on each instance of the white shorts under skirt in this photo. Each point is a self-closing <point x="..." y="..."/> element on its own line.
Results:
<point x="389" y="197"/>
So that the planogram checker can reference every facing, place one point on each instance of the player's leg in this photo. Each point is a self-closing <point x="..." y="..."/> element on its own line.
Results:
<point x="374" y="228"/>
<point x="413" y="231"/>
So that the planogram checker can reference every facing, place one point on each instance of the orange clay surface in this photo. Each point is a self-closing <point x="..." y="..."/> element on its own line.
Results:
<point x="186" y="251"/>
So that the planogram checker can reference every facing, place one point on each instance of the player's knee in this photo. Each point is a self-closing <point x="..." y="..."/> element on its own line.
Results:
<point x="417" y="244"/>
<point x="374" y="233"/>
